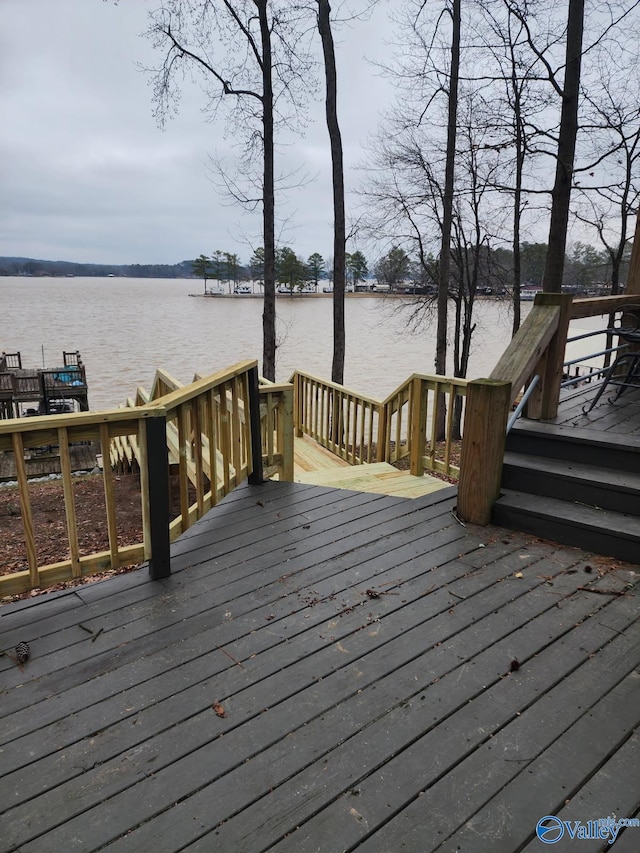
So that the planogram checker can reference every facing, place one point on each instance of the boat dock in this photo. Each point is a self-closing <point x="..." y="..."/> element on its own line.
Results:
<point x="26" y="392"/>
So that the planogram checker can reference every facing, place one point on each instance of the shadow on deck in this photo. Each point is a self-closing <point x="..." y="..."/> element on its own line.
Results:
<point x="326" y="671"/>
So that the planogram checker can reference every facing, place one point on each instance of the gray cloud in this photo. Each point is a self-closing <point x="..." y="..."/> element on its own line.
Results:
<point x="85" y="173"/>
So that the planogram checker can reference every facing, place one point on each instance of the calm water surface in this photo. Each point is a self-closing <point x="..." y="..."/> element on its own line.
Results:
<point x="126" y="328"/>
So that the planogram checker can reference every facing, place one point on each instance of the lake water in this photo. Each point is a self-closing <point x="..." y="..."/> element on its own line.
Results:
<point x="125" y="328"/>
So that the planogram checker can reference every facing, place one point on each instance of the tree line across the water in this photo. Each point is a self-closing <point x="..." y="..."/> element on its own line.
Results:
<point x="293" y="273"/>
<point x="586" y="270"/>
<point x="34" y="267"/>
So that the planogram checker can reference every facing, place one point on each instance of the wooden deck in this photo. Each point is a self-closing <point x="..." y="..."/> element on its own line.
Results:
<point x="326" y="671"/>
<point x="619" y="418"/>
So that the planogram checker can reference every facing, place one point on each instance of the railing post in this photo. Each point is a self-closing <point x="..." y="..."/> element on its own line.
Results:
<point x="417" y="427"/>
<point x="381" y="444"/>
<point x="543" y="403"/>
<point x="256" y="475"/>
<point x="483" y="442"/>
<point x="286" y="432"/>
<point x="298" y="403"/>
<point x="155" y="475"/>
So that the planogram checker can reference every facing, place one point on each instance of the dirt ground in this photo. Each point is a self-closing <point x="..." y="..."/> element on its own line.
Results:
<point x="47" y="507"/>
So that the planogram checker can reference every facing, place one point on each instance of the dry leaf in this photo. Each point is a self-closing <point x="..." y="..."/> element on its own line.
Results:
<point x="518" y="575"/>
<point x="219" y="709"/>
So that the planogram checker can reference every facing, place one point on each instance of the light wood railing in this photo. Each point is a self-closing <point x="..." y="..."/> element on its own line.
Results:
<point x="343" y="421"/>
<point x="209" y="432"/>
<point x="207" y="435"/>
<point x="538" y="349"/>
<point x="410" y="422"/>
<point x="276" y="429"/>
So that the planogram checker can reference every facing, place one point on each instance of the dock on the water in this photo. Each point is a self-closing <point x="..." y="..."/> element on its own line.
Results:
<point x="42" y="391"/>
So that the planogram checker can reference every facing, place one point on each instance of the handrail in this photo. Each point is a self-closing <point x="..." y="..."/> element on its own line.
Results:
<point x="598" y="305"/>
<point x="206" y="429"/>
<point x="523" y="402"/>
<point x="409" y="422"/>
<point x="537" y="349"/>
<point x="527" y="347"/>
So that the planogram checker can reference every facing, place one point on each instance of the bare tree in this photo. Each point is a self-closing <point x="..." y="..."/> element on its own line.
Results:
<point x="608" y="189"/>
<point x="510" y="113"/>
<point x="447" y="198"/>
<point x="337" y="170"/>
<point x="561" y="192"/>
<point x="245" y="52"/>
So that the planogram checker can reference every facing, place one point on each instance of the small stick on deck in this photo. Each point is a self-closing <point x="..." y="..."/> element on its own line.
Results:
<point x="235" y="660"/>
<point x="603" y="591"/>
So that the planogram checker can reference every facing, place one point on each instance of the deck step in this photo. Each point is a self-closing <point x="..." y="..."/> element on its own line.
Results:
<point x="613" y="534"/>
<point x="606" y="488"/>
<point x="607" y="450"/>
<point x="377" y="478"/>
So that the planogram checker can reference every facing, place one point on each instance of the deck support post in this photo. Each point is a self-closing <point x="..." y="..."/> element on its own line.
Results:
<point x="156" y="476"/>
<point x="417" y="431"/>
<point x="381" y="441"/>
<point x="483" y="443"/>
<point x="256" y="476"/>
<point x="286" y="430"/>
<point x="543" y="403"/>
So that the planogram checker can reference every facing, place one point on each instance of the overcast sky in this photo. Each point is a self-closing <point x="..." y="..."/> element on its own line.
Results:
<point x="87" y="175"/>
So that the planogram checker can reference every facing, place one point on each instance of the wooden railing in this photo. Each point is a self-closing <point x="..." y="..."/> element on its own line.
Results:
<point x="538" y="349"/>
<point x="343" y="421"/>
<point x="221" y="429"/>
<point x="410" y="422"/>
<point x="276" y="429"/>
<point x="207" y="431"/>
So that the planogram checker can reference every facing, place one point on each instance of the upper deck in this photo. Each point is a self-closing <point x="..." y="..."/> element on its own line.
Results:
<point x="326" y="670"/>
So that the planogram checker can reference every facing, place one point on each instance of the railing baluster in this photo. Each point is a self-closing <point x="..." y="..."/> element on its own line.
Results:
<point x="69" y="505"/>
<point x="196" y="426"/>
<point x="212" y="432"/>
<point x="235" y="429"/>
<point x="25" y="508"/>
<point x="109" y="495"/>
<point x="183" y="474"/>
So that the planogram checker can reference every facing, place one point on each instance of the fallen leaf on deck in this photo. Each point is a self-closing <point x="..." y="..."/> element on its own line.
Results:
<point x="219" y="709"/>
<point x="518" y="575"/>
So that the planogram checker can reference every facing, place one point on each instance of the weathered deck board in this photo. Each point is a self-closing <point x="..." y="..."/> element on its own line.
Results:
<point x="361" y="647"/>
<point x="621" y="417"/>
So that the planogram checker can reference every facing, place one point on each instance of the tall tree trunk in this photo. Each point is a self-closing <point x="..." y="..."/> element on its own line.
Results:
<point x="268" y="201"/>
<point x="561" y="194"/>
<point x="517" y="198"/>
<point x="447" y="213"/>
<point x="339" y="228"/>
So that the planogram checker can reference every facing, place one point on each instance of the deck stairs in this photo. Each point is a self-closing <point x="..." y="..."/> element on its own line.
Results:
<point x="574" y="487"/>
<point x="317" y="466"/>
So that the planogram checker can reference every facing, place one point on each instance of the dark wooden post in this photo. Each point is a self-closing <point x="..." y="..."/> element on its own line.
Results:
<point x="483" y="441"/>
<point x="157" y="477"/>
<point x="543" y="403"/>
<point x="633" y="276"/>
<point x="256" y="475"/>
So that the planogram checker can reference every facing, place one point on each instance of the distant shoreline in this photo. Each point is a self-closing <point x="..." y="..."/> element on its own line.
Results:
<point x="367" y="295"/>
